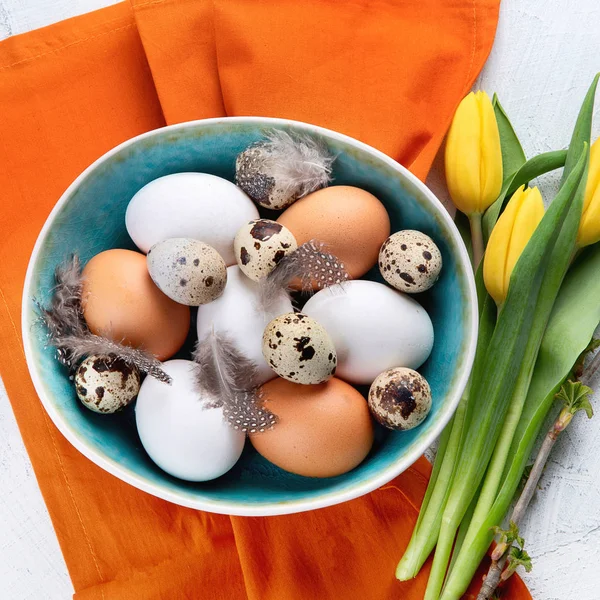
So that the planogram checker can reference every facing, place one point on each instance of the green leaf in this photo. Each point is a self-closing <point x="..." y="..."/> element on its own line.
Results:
<point x="575" y="397"/>
<point x="538" y="165"/>
<point x="519" y="558"/>
<point x="513" y="157"/>
<point x="583" y="128"/>
<point x="509" y="536"/>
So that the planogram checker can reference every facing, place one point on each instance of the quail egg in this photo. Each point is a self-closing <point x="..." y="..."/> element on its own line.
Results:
<point x="260" y="245"/>
<point x="400" y="398"/>
<point x="410" y="261"/>
<point x="106" y="384"/>
<point x="299" y="349"/>
<point x="187" y="271"/>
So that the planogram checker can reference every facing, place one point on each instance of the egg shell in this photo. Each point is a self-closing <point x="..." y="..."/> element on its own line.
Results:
<point x="351" y="222"/>
<point x="237" y="313"/>
<point x="106" y="384"/>
<point x="373" y="328"/>
<point x="120" y="301"/>
<point x="400" y="399"/>
<point x="260" y="245"/>
<point x="323" y="430"/>
<point x="299" y="349"/>
<point x="410" y="261"/>
<point x="189" y="205"/>
<point x="188" y="271"/>
<point x="180" y="434"/>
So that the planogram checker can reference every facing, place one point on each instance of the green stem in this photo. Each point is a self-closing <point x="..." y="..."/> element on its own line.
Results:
<point x="463" y="529"/>
<point x="450" y="524"/>
<point x="425" y="533"/>
<point x="476" y="238"/>
<point x="499" y="459"/>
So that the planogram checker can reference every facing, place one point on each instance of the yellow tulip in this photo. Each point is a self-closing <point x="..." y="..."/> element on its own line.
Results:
<point x="473" y="156"/>
<point x="509" y="237"/>
<point x="589" y="227"/>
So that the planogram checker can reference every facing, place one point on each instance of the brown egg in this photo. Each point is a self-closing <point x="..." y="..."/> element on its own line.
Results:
<point x="121" y="301"/>
<point x="352" y="222"/>
<point x="323" y="430"/>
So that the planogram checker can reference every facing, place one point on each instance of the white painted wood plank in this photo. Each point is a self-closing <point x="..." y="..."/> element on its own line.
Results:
<point x="544" y="57"/>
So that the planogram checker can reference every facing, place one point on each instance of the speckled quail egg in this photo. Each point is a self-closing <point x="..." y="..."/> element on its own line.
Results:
<point x="299" y="349"/>
<point x="106" y="384"/>
<point x="410" y="261"/>
<point x="187" y="271"/>
<point x="260" y="186"/>
<point x="400" y="398"/>
<point x="260" y="245"/>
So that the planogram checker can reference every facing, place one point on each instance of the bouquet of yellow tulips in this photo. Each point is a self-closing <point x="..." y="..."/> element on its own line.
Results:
<point x="537" y="275"/>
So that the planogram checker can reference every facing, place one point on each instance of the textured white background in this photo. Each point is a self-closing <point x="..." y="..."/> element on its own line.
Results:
<point x="545" y="55"/>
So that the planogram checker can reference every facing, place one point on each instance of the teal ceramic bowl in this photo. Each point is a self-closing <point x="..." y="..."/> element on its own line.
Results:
<point x="90" y="218"/>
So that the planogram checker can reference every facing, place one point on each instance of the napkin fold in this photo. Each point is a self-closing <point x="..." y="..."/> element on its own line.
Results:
<point x="388" y="72"/>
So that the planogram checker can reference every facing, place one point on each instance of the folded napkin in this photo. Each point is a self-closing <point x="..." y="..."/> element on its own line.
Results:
<point x="388" y="72"/>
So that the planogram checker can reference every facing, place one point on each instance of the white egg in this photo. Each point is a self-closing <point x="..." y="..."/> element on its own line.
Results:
<point x="181" y="435"/>
<point x="189" y="205"/>
<point x="299" y="349"/>
<point x="237" y="313"/>
<point x="373" y="328"/>
<point x="188" y="271"/>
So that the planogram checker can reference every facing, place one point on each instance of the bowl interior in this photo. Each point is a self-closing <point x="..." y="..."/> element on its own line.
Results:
<point x="91" y="218"/>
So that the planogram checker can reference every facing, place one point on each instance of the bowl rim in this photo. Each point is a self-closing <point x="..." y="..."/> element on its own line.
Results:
<point x="270" y="508"/>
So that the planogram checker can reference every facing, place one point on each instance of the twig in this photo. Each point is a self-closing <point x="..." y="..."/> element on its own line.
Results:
<point x="501" y="552"/>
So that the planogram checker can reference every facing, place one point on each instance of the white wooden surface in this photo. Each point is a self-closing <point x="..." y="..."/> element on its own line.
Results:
<point x="545" y="55"/>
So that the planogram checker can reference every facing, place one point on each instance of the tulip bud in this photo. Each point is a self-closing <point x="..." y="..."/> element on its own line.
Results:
<point x="473" y="155"/>
<point x="509" y="237"/>
<point x="589" y="226"/>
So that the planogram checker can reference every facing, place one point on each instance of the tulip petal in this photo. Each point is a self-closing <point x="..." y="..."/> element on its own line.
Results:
<point x="496" y="255"/>
<point x="491" y="154"/>
<point x="462" y="155"/>
<point x="589" y="228"/>
<point x="528" y="217"/>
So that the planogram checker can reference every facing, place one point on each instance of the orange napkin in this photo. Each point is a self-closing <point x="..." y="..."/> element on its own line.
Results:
<point x="388" y="72"/>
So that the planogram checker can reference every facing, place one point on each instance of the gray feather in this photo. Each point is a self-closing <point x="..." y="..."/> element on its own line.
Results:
<point x="298" y="163"/>
<point x="229" y="379"/>
<point x="88" y="344"/>
<point x="310" y="264"/>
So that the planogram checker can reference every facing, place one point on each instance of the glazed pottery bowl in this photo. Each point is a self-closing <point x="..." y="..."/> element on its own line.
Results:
<point x="90" y="218"/>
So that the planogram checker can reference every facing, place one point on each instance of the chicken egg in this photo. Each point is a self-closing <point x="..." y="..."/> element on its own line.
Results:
<point x="352" y="223"/>
<point x="323" y="430"/>
<point x="189" y="205"/>
<point x="373" y="328"/>
<point x="238" y="315"/>
<point x="180" y="434"/>
<point x="121" y="302"/>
